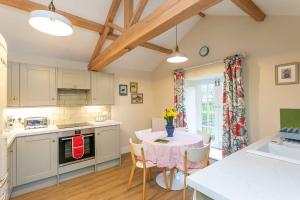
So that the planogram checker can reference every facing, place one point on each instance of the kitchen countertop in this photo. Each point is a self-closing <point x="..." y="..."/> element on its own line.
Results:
<point x="246" y="176"/>
<point x="21" y="132"/>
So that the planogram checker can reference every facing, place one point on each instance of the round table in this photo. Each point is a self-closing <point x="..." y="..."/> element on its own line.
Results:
<point x="168" y="155"/>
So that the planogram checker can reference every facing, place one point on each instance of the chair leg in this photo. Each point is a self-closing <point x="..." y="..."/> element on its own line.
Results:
<point x="144" y="183"/>
<point x="165" y="178"/>
<point x="184" y="186"/>
<point x="150" y="174"/>
<point x="131" y="176"/>
<point x="171" y="178"/>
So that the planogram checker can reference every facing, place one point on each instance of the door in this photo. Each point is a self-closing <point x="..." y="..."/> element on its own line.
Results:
<point x="107" y="143"/>
<point x="102" y="91"/>
<point x="37" y="158"/>
<point x="13" y="84"/>
<point x="73" y="79"/>
<point x="37" y="86"/>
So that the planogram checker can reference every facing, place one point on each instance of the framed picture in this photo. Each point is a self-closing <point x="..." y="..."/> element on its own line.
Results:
<point x="133" y="87"/>
<point x="137" y="98"/>
<point x="287" y="73"/>
<point x="123" y="90"/>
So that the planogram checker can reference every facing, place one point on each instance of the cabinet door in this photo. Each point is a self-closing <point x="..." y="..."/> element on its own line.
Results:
<point x="37" y="158"/>
<point x="37" y="86"/>
<point x="11" y="167"/>
<point x="107" y="143"/>
<point x="3" y="82"/>
<point x="73" y="79"/>
<point x="13" y="84"/>
<point x="102" y="92"/>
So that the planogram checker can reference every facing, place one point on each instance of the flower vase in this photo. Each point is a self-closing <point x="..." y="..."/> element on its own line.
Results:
<point x="170" y="129"/>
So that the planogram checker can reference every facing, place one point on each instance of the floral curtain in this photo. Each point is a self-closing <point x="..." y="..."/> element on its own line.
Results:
<point x="235" y="133"/>
<point x="180" y="121"/>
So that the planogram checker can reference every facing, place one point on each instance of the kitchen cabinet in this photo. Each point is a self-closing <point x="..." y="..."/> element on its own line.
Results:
<point x="37" y="157"/>
<point x="102" y="91"/>
<point x="73" y="79"/>
<point x="107" y="143"/>
<point x="13" y="84"/>
<point x="37" y="85"/>
<point x="12" y="167"/>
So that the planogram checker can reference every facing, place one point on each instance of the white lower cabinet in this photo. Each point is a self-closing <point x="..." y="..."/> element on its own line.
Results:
<point x="11" y="167"/>
<point x="107" y="143"/>
<point x="37" y="158"/>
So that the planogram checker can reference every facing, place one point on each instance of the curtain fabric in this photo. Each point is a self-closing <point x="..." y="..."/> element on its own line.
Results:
<point x="234" y="125"/>
<point x="180" y="121"/>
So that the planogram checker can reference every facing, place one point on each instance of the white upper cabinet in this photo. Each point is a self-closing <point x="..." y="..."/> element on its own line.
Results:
<point x="37" y="86"/>
<point x="102" y="91"/>
<point x="73" y="79"/>
<point x="13" y="84"/>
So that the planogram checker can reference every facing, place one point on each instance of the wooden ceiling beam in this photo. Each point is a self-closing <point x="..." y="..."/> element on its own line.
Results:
<point x="170" y="13"/>
<point x="138" y="12"/>
<point x="249" y="7"/>
<point x="110" y="17"/>
<point x="128" y="12"/>
<point x="147" y="45"/>
<point x="116" y="27"/>
<point x="29" y="6"/>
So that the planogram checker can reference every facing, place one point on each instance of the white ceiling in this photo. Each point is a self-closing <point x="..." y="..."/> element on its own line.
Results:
<point x="23" y="39"/>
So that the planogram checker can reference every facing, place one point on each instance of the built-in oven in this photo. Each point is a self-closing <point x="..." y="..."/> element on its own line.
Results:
<point x="65" y="146"/>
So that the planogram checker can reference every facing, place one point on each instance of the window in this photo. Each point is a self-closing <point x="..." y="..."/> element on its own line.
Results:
<point x="203" y="101"/>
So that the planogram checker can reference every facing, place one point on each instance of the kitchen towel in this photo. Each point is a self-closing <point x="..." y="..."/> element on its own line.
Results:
<point x="77" y="146"/>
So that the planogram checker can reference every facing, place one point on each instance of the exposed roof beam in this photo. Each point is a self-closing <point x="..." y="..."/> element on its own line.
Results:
<point x="116" y="27"/>
<point x="110" y="17"/>
<point x="249" y="7"/>
<point x="138" y="12"/>
<point x="147" y="45"/>
<point x="128" y="12"/>
<point x="29" y="6"/>
<point x="201" y="14"/>
<point x="170" y="13"/>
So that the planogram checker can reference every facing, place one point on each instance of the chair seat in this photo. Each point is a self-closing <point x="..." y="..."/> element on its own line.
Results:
<point x="149" y="164"/>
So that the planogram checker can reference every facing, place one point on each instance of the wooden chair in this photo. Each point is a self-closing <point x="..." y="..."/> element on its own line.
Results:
<point x="195" y="155"/>
<point x="137" y="152"/>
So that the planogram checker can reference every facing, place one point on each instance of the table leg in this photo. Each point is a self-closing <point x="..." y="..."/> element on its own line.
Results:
<point x="177" y="181"/>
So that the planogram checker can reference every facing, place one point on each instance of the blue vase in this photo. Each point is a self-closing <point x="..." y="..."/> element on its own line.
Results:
<point x="170" y="129"/>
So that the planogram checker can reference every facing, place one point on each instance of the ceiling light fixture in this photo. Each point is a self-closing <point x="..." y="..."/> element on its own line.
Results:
<point x="50" y="22"/>
<point x="177" y="56"/>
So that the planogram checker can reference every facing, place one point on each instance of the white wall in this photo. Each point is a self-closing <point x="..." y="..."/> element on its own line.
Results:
<point x="274" y="41"/>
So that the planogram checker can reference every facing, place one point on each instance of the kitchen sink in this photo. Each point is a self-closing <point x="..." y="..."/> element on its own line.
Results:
<point x="284" y="150"/>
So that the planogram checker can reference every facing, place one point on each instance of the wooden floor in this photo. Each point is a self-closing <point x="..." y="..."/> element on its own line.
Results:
<point x="105" y="185"/>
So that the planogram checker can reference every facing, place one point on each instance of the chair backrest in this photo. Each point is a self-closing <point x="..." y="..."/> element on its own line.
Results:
<point x="205" y="136"/>
<point x="196" y="154"/>
<point x="158" y="124"/>
<point x="136" y="149"/>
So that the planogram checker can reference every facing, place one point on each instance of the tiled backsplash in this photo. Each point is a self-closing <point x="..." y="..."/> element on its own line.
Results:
<point x="60" y="115"/>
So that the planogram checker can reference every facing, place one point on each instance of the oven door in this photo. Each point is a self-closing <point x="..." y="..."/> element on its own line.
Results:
<point x="65" y="149"/>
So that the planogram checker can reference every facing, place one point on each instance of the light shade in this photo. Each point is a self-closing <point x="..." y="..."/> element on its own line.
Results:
<point x="177" y="57"/>
<point x="50" y="22"/>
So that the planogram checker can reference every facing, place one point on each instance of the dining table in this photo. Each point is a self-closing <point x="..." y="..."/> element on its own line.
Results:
<point x="165" y="152"/>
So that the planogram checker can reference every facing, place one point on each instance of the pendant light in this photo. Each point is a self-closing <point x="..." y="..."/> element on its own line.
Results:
<point x="177" y="56"/>
<point x="50" y="22"/>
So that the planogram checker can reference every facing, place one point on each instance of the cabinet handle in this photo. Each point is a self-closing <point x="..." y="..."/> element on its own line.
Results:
<point x="11" y="151"/>
<point x="53" y="141"/>
<point x="53" y="99"/>
<point x="14" y="98"/>
<point x="98" y="133"/>
<point x="94" y="98"/>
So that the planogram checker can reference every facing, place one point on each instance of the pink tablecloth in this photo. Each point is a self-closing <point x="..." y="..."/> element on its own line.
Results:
<point x="168" y="155"/>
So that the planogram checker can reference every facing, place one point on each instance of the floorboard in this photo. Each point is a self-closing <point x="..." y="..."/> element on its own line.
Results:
<point x="110" y="184"/>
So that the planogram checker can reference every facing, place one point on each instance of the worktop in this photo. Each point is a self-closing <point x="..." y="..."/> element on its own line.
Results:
<point x="246" y="176"/>
<point x="21" y="132"/>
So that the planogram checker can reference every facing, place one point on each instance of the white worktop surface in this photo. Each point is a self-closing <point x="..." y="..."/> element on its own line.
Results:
<point x="246" y="176"/>
<point x="21" y="132"/>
